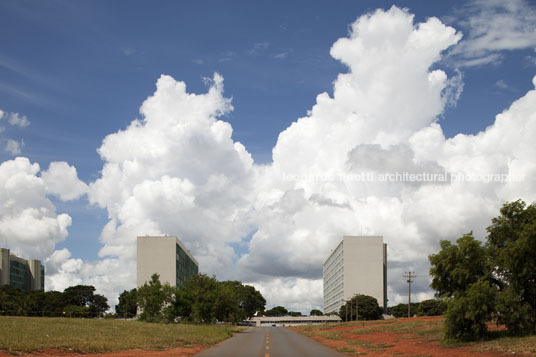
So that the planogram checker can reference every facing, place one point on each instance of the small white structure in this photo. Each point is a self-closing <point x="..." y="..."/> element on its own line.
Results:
<point x="293" y="320"/>
<point x="358" y="265"/>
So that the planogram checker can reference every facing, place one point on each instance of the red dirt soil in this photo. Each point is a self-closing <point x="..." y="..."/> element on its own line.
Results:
<point x="396" y="344"/>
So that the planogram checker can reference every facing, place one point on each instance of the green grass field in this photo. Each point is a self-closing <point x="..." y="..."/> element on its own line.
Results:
<point x="26" y="334"/>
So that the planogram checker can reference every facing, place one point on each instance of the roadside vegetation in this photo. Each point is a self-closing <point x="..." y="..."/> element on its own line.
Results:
<point x="201" y="299"/>
<point x="411" y="336"/>
<point x="361" y="307"/>
<point x="494" y="281"/>
<point x="197" y="315"/>
<point x="75" y="301"/>
<point x="28" y="334"/>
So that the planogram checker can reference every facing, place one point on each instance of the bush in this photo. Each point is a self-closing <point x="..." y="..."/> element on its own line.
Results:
<point x="368" y="308"/>
<point x="467" y="315"/>
<point x="432" y="307"/>
<point x="401" y="310"/>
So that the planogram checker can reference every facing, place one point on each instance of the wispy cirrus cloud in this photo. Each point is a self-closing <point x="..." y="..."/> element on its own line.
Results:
<point x="491" y="27"/>
<point x="258" y="48"/>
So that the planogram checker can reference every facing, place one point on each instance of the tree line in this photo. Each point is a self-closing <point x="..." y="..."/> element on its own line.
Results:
<point x="490" y="281"/>
<point x="430" y="307"/>
<point x="201" y="299"/>
<point x="74" y="301"/>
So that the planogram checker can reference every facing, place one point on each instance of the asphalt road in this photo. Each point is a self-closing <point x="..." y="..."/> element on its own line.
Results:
<point x="269" y="342"/>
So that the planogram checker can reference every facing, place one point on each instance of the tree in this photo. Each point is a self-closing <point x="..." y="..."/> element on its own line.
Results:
<point x="98" y="305"/>
<point x="294" y="313"/>
<point x="315" y="312"/>
<point x="251" y="300"/>
<point x="461" y="275"/>
<point x="128" y="304"/>
<point x="81" y="301"/>
<point x="368" y="308"/>
<point x="431" y="307"/>
<point x="468" y="314"/>
<point x="512" y="247"/>
<point x="276" y="311"/>
<point x="457" y="266"/>
<point x="152" y="298"/>
<point x="495" y="280"/>
<point x="79" y="295"/>
<point x="332" y="313"/>
<point x="13" y="301"/>
<point x="201" y="291"/>
<point x="401" y="310"/>
<point x="54" y="303"/>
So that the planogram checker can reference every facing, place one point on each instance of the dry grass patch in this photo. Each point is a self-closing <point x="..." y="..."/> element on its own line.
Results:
<point x="413" y="336"/>
<point x="26" y="334"/>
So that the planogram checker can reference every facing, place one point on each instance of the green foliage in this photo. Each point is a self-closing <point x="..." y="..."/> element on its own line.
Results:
<point x="316" y="312"/>
<point x="79" y="295"/>
<point x="294" y="313"/>
<point x="495" y="280"/>
<point x="200" y="299"/>
<point x="84" y="296"/>
<point x="76" y="311"/>
<point x="457" y="266"/>
<point x="128" y="304"/>
<point x="152" y="298"/>
<point x="77" y="300"/>
<point x="512" y="246"/>
<point x="367" y="309"/>
<point x="432" y="307"/>
<point x="202" y="292"/>
<point x="98" y="305"/>
<point x="468" y="314"/>
<point x="276" y="311"/>
<point x="401" y="310"/>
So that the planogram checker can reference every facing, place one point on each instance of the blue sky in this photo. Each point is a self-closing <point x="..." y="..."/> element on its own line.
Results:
<point x="79" y="70"/>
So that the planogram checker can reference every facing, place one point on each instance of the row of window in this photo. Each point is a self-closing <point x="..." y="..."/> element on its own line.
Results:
<point x="185" y="267"/>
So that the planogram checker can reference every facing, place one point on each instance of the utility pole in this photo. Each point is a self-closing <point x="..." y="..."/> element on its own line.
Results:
<point x="409" y="275"/>
<point x="356" y="308"/>
<point x="347" y="311"/>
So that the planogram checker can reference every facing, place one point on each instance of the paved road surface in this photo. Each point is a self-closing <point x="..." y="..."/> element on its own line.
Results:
<point x="269" y="342"/>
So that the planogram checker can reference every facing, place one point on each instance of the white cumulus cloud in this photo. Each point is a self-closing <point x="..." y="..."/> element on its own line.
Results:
<point x="29" y="224"/>
<point x="62" y="180"/>
<point x="177" y="171"/>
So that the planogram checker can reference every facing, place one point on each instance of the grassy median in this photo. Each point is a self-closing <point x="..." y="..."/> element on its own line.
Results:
<point x="26" y="334"/>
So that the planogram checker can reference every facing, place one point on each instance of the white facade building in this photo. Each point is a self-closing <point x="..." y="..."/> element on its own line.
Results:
<point x="165" y="256"/>
<point x="358" y="265"/>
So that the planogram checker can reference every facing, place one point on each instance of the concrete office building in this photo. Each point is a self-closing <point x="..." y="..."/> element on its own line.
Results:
<point x="167" y="257"/>
<point x="21" y="273"/>
<point x="358" y="265"/>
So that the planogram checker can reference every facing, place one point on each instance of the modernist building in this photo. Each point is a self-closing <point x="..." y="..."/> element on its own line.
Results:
<point x="358" y="265"/>
<point x="167" y="257"/>
<point x="21" y="273"/>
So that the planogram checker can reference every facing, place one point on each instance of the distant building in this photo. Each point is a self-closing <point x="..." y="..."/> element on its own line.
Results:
<point x="358" y="265"/>
<point x="165" y="256"/>
<point x="21" y="273"/>
<point x="259" y="321"/>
